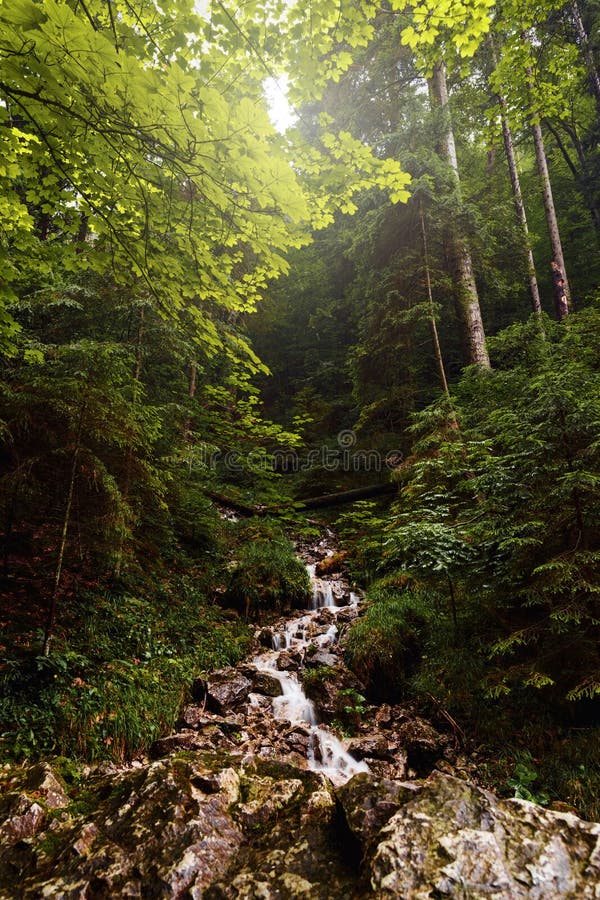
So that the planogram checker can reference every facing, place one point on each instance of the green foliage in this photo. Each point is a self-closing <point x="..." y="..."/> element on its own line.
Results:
<point x="267" y="576"/>
<point x="314" y="678"/>
<point x="385" y="646"/>
<point x="120" y="680"/>
<point x="524" y="779"/>
<point x="350" y="708"/>
<point x="507" y="507"/>
<point x="362" y="531"/>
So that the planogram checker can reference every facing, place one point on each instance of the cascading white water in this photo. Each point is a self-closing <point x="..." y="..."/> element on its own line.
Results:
<point x="327" y="639"/>
<point x="322" y="592"/>
<point x="326" y="753"/>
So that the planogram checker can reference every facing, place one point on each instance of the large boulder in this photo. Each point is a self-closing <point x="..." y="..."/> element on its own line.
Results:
<point x="166" y="825"/>
<point x="266" y="684"/>
<point x="369" y="803"/>
<point x="225" y="689"/>
<point x="219" y="825"/>
<point x="448" y="838"/>
<point x="28" y="798"/>
<point x="332" y="564"/>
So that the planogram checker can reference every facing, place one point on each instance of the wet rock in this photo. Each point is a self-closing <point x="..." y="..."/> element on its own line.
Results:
<point x="198" y="690"/>
<point x="374" y="746"/>
<point x="231" y="725"/>
<point x="195" y="717"/>
<point x="383" y="715"/>
<point x="298" y="739"/>
<point x="289" y="662"/>
<point x="341" y="593"/>
<point x="257" y="702"/>
<point x="196" y="826"/>
<point x="320" y="658"/>
<point x="265" y="637"/>
<point x="369" y="803"/>
<point x="332" y="692"/>
<point x="454" y="839"/>
<point x="295" y="853"/>
<point x="269" y="685"/>
<point x="158" y="827"/>
<point x="224" y="690"/>
<point x="422" y="744"/>
<point x="331" y="564"/>
<point x="394" y="768"/>
<point x="348" y="614"/>
<point x="265" y="797"/>
<point x="326" y="617"/>
<point x="209" y="739"/>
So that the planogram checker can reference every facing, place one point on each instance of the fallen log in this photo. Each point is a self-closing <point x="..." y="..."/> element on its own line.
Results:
<point x="325" y="500"/>
<point x="374" y="490"/>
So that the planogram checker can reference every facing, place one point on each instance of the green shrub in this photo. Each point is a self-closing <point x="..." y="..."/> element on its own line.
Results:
<point x="384" y="648"/>
<point x="268" y="576"/>
<point x="120" y="681"/>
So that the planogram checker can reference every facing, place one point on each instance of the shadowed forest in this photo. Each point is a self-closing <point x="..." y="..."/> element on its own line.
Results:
<point x="205" y="321"/>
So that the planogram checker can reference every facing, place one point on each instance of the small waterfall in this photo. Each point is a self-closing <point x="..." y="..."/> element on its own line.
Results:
<point x="322" y="592"/>
<point x="293" y="704"/>
<point x="327" y="639"/>
<point x="326" y="753"/>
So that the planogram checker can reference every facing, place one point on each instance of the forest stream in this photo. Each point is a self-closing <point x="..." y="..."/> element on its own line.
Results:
<point x="260" y="794"/>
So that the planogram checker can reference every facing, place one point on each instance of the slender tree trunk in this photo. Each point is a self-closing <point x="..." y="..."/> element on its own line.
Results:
<point x="562" y="300"/>
<point x="587" y="53"/>
<point x="434" y="331"/>
<point x="48" y="633"/>
<point x="137" y="374"/>
<point x="191" y="394"/>
<point x="468" y="298"/>
<point x="511" y="158"/>
<point x="581" y="176"/>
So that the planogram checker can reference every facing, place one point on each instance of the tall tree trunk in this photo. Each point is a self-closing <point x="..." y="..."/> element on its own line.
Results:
<point x="562" y="299"/>
<point x="511" y="158"/>
<point x="467" y="296"/>
<point x="49" y="630"/>
<point x="191" y="394"/>
<point x="509" y="148"/>
<point x="587" y="53"/>
<point x="582" y="175"/>
<point x="439" y="359"/>
<point x="137" y="373"/>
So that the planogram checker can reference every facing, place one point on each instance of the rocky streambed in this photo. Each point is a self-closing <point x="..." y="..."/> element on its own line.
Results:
<point x="256" y="796"/>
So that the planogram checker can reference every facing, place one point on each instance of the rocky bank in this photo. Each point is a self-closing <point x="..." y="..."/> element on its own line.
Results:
<point x="240" y="802"/>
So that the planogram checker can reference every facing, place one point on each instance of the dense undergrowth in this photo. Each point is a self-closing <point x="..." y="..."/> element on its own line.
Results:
<point x="124" y="655"/>
<point x="118" y="674"/>
<point x="485" y="575"/>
